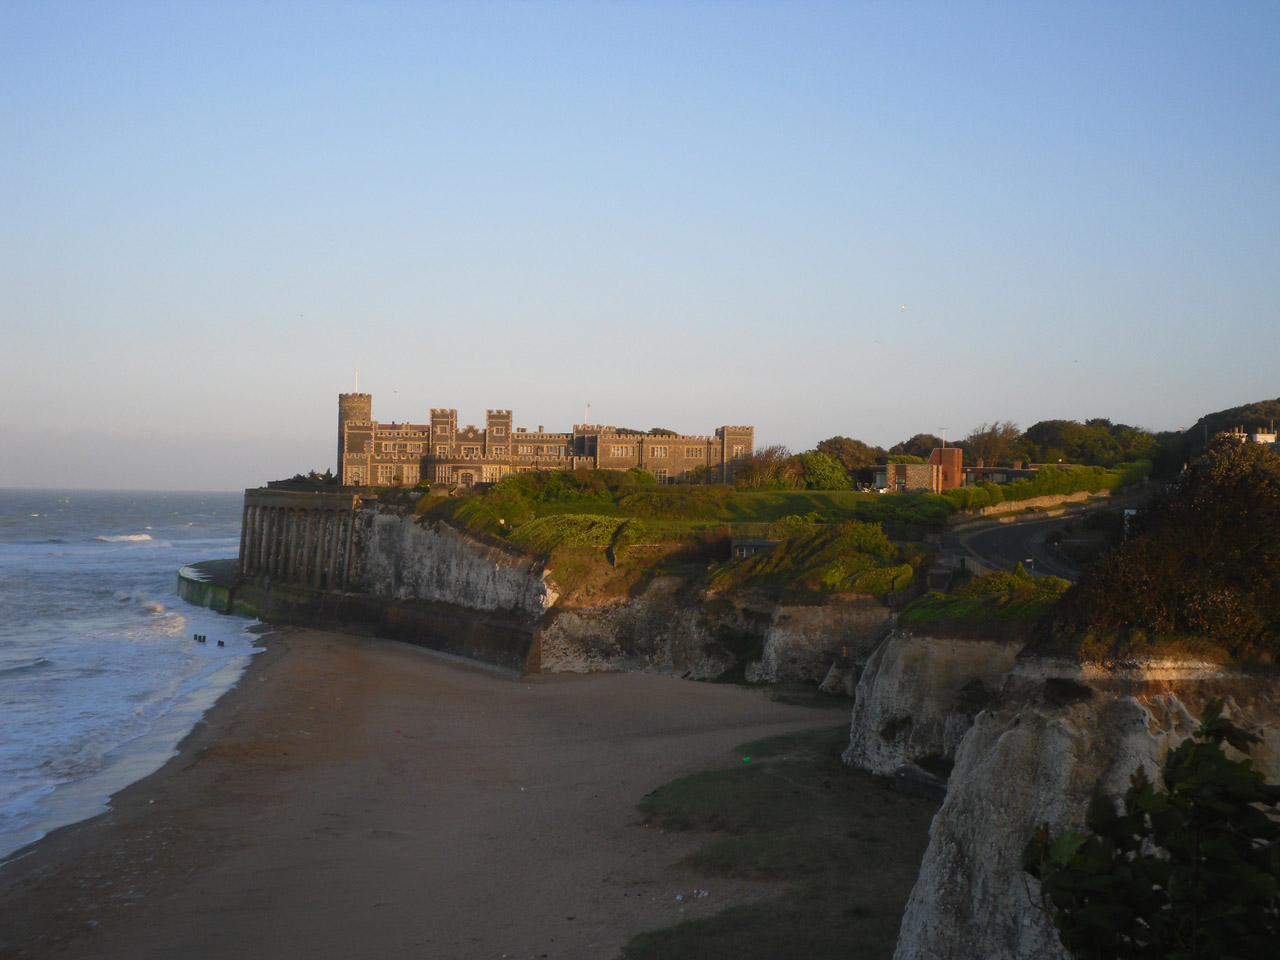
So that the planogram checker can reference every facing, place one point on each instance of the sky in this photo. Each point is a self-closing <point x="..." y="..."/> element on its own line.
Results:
<point x="860" y="219"/>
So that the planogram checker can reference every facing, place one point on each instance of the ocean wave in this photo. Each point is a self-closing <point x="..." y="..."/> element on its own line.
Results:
<point x="31" y="666"/>
<point x="124" y="538"/>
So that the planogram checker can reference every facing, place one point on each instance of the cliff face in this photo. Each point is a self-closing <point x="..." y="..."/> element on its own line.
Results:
<point x="336" y="559"/>
<point x="802" y="642"/>
<point x="683" y="632"/>
<point x="402" y="559"/>
<point x="660" y="629"/>
<point x="918" y="696"/>
<point x="1059" y="733"/>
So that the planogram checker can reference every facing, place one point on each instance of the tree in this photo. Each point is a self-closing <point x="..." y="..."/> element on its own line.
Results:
<point x="921" y="445"/>
<point x="1192" y="871"/>
<point x="852" y="454"/>
<point x="1096" y="442"/>
<point x="991" y="443"/>
<point x="769" y="468"/>
<point x="1203" y="562"/>
<point x="823" y="472"/>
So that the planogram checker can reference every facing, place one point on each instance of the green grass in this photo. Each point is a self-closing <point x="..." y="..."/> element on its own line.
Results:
<point x="829" y="534"/>
<point x="824" y="558"/>
<point x="844" y="844"/>
<point x="995" y="596"/>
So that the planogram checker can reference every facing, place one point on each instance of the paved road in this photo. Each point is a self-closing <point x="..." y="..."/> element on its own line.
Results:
<point x="1005" y="545"/>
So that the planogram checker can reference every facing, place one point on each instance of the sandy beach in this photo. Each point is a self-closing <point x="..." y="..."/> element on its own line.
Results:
<point x="360" y="798"/>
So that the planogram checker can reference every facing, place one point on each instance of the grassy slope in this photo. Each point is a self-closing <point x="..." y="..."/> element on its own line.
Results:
<point x="686" y="530"/>
<point x="846" y="846"/>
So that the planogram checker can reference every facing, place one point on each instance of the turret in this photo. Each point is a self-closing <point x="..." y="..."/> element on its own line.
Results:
<point x="352" y="408"/>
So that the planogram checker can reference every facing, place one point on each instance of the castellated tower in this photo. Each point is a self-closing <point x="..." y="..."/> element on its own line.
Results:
<point x="352" y="408"/>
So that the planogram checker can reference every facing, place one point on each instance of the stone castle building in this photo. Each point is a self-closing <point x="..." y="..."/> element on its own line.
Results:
<point x="403" y="454"/>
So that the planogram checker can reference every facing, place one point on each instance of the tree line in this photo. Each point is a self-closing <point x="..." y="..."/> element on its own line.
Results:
<point x="840" y="463"/>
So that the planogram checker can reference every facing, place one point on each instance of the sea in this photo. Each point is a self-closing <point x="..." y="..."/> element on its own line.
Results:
<point x="100" y="673"/>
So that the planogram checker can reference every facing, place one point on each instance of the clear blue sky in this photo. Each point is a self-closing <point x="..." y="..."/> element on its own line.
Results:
<point x="685" y="214"/>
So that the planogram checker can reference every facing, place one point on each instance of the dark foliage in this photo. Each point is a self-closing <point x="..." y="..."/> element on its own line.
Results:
<point x="1097" y="442"/>
<point x="1263" y="414"/>
<point x="315" y="479"/>
<point x="769" y="468"/>
<point x="1190" y="871"/>
<point x="921" y="445"/>
<point x="1201" y="562"/>
<point x="852" y="454"/>
<point x="991" y="443"/>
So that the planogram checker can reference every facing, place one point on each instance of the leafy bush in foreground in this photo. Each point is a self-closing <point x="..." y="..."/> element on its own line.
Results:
<point x="1192" y="871"/>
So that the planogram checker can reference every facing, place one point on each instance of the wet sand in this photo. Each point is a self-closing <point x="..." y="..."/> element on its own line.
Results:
<point x="357" y="798"/>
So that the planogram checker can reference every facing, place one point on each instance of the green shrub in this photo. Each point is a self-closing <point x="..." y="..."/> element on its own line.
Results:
<point x="567" y="529"/>
<point x="1190" y="871"/>
<point x="995" y="596"/>
<point x="823" y="472"/>
<point x="677" y="502"/>
<point x="826" y="558"/>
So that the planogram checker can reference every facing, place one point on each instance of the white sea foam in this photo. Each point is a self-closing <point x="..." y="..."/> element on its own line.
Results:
<point x="100" y="676"/>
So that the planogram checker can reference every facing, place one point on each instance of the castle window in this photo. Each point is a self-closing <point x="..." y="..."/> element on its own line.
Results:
<point x="499" y="451"/>
<point x="471" y="452"/>
<point x="737" y="451"/>
<point x="385" y="472"/>
<point x="658" y="451"/>
<point x="410" y="476"/>
<point x="499" y="431"/>
<point x="442" y="450"/>
<point x="695" y="453"/>
<point x="442" y="429"/>
<point x="627" y="450"/>
<point x="660" y="475"/>
<point x="442" y="475"/>
<point x="415" y="448"/>
<point x="525" y="449"/>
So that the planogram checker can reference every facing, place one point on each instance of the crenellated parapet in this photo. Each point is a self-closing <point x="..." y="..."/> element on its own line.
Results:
<point x="405" y="454"/>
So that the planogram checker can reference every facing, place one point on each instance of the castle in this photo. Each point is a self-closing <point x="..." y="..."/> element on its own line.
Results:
<point x="403" y="454"/>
